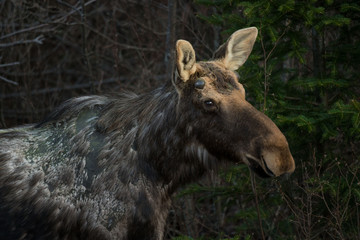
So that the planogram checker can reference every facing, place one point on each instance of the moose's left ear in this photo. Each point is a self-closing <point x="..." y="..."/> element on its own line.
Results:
<point x="237" y="48"/>
<point x="185" y="59"/>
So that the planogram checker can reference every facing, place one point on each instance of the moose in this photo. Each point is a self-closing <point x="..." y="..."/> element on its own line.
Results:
<point x="105" y="167"/>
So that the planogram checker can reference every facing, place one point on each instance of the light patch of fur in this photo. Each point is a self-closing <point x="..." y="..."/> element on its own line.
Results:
<point x="196" y="150"/>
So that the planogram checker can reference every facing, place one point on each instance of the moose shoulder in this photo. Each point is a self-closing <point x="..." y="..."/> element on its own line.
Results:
<point x="105" y="167"/>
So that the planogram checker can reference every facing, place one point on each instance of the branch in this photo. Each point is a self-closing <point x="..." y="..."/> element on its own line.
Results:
<point x="29" y="29"/>
<point x="170" y="39"/>
<point x="125" y="46"/>
<point x="37" y="40"/>
<point x="71" y="87"/>
<point x="253" y="186"/>
<point x="8" y="81"/>
<point x="277" y="42"/>
<point x="9" y="64"/>
<point x="24" y="30"/>
<point x="85" y="51"/>
<point x="74" y="10"/>
<point x="266" y="58"/>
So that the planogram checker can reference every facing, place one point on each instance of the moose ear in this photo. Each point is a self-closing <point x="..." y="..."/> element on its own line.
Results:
<point x="237" y="48"/>
<point x="185" y="59"/>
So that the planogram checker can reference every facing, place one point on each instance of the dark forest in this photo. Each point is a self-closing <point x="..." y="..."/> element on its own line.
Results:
<point x="303" y="73"/>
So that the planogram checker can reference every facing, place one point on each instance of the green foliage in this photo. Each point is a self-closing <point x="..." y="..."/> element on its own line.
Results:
<point x="304" y="73"/>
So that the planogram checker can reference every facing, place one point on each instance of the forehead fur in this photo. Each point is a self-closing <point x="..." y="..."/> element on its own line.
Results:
<point x="222" y="78"/>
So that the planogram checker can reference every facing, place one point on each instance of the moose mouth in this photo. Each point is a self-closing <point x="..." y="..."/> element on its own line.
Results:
<point x="259" y="167"/>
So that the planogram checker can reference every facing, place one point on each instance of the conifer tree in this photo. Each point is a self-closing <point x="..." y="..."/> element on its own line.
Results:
<point x="304" y="73"/>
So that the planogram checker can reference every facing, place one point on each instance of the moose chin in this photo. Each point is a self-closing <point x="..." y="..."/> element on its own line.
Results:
<point x="105" y="167"/>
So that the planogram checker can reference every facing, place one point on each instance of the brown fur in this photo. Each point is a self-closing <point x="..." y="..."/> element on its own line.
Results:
<point x="106" y="167"/>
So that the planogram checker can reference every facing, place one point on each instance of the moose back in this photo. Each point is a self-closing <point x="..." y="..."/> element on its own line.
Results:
<point x="105" y="167"/>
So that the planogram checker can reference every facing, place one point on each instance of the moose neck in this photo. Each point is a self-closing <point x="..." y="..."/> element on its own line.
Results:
<point x="166" y="153"/>
<point x="164" y="133"/>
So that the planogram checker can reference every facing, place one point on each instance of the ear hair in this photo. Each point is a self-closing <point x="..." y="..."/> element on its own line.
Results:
<point x="237" y="48"/>
<point x="185" y="59"/>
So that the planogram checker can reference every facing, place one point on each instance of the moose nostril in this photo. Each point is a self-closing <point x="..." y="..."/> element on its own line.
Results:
<point x="268" y="171"/>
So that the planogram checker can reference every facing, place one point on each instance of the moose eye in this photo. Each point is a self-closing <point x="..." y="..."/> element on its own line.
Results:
<point x="210" y="106"/>
<point x="199" y="84"/>
<point x="209" y="103"/>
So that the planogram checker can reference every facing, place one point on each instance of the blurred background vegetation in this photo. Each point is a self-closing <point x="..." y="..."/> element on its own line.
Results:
<point x="303" y="73"/>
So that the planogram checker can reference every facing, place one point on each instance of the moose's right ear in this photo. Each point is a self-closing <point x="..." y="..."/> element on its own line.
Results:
<point x="185" y="59"/>
<point x="237" y="48"/>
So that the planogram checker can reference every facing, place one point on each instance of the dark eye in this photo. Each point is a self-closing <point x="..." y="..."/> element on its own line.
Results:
<point x="199" y="84"/>
<point x="210" y="106"/>
<point x="209" y="103"/>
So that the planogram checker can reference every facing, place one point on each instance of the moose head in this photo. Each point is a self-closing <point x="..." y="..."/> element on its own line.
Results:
<point x="224" y="123"/>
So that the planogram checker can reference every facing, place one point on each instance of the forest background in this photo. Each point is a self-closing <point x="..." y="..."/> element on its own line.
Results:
<point x="303" y="73"/>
